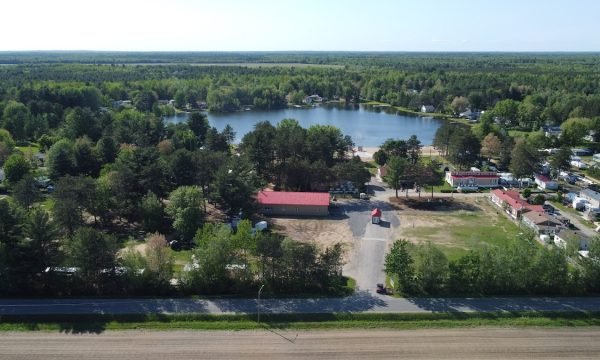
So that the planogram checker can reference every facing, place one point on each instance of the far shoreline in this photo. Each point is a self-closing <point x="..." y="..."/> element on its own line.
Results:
<point x="368" y="151"/>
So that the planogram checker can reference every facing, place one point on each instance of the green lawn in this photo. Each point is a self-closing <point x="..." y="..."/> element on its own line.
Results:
<point x="31" y="149"/>
<point x="460" y="230"/>
<point x="98" y="323"/>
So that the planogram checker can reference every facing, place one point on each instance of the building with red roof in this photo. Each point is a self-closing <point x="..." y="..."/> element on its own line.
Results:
<point x="511" y="202"/>
<point x="292" y="203"/>
<point x="485" y="179"/>
<point x="545" y="183"/>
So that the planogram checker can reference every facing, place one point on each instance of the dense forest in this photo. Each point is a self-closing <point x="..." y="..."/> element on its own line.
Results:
<point x="88" y="130"/>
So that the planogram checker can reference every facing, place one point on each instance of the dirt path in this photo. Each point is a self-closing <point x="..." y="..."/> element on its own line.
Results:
<point x="333" y="344"/>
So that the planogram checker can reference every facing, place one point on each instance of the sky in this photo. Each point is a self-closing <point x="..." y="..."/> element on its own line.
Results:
<point x="283" y="25"/>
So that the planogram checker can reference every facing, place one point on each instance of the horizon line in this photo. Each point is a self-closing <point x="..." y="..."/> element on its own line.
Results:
<point x="301" y="51"/>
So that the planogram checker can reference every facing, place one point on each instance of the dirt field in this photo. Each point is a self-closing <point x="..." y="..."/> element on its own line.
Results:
<point x="324" y="232"/>
<point x="334" y="344"/>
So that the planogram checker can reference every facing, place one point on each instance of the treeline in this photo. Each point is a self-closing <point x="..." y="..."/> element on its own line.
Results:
<point x="35" y="260"/>
<point x="538" y="89"/>
<point x="405" y="60"/>
<point x="489" y="142"/>
<point x="517" y="268"/>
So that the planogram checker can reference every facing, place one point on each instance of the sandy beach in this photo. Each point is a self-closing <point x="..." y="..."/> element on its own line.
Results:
<point x="367" y="153"/>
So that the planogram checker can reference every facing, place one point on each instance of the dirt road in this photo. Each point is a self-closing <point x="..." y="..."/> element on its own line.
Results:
<point x="344" y="344"/>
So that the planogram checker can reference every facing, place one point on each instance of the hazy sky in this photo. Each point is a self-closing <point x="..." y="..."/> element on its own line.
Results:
<point x="358" y="25"/>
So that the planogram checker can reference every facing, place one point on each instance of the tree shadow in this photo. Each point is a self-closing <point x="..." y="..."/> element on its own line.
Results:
<point x="358" y="302"/>
<point x="384" y="224"/>
<point x="506" y="304"/>
<point x="91" y="316"/>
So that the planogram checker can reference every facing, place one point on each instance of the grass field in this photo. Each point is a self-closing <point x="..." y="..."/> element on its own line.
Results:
<point x="98" y="323"/>
<point x="457" y="231"/>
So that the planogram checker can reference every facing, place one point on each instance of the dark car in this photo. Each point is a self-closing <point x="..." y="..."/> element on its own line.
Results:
<point x="381" y="289"/>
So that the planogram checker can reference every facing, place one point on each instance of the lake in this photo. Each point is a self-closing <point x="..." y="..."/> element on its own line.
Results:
<point x="367" y="125"/>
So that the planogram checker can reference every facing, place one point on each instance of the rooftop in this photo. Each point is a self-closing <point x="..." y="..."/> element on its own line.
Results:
<point x="474" y="174"/>
<point x="567" y="234"/>
<point x="513" y="198"/>
<point x="292" y="198"/>
<point x="539" y="218"/>
<point x="543" y="178"/>
<point x="590" y="193"/>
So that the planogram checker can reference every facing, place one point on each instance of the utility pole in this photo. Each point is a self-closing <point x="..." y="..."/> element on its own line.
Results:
<point x="258" y="305"/>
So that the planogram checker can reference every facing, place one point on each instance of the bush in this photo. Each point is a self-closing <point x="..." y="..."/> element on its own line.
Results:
<point x="539" y="199"/>
<point x="526" y="193"/>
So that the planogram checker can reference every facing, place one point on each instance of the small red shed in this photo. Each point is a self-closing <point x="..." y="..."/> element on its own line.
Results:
<point x="376" y="216"/>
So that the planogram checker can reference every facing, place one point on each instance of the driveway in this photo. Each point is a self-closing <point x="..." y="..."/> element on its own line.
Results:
<point x="370" y="241"/>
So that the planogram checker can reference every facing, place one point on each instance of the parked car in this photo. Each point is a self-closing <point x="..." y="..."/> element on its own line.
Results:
<point x="381" y="289"/>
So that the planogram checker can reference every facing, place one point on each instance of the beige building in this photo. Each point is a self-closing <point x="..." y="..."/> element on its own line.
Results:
<point x="541" y="223"/>
<point x="485" y="179"/>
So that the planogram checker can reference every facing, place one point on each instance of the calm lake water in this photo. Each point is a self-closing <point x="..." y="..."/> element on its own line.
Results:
<point x="368" y="126"/>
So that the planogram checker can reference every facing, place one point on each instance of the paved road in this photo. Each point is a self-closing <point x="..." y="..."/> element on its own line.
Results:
<point x="274" y="344"/>
<point x="360" y="302"/>
<point x="576" y="220"/>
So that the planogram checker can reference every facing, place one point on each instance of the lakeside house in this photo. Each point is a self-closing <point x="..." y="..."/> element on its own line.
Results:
<point x="511" y="202"/>
<point x="427" y="108"/>
<point x="471" y="115"/>
<point x="541" y="223"/>
<point x="312" y="99"/>
<point x="544" y="182"/>
<point x="291" y="203"/>
<point x="485" y="179"/>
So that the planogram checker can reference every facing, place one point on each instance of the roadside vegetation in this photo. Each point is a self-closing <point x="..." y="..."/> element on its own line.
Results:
<point x="100" y="323"/>
<point x="518" y="266"/>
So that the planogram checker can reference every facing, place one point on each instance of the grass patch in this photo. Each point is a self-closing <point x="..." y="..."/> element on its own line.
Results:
<point x="31" y="149"/>
<point x="519" y="133"/>
<point x="96" y="323"/>
<point x="457" y="231"/>
<point x="372" y="167"/>
<point x="438" y="188"/>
